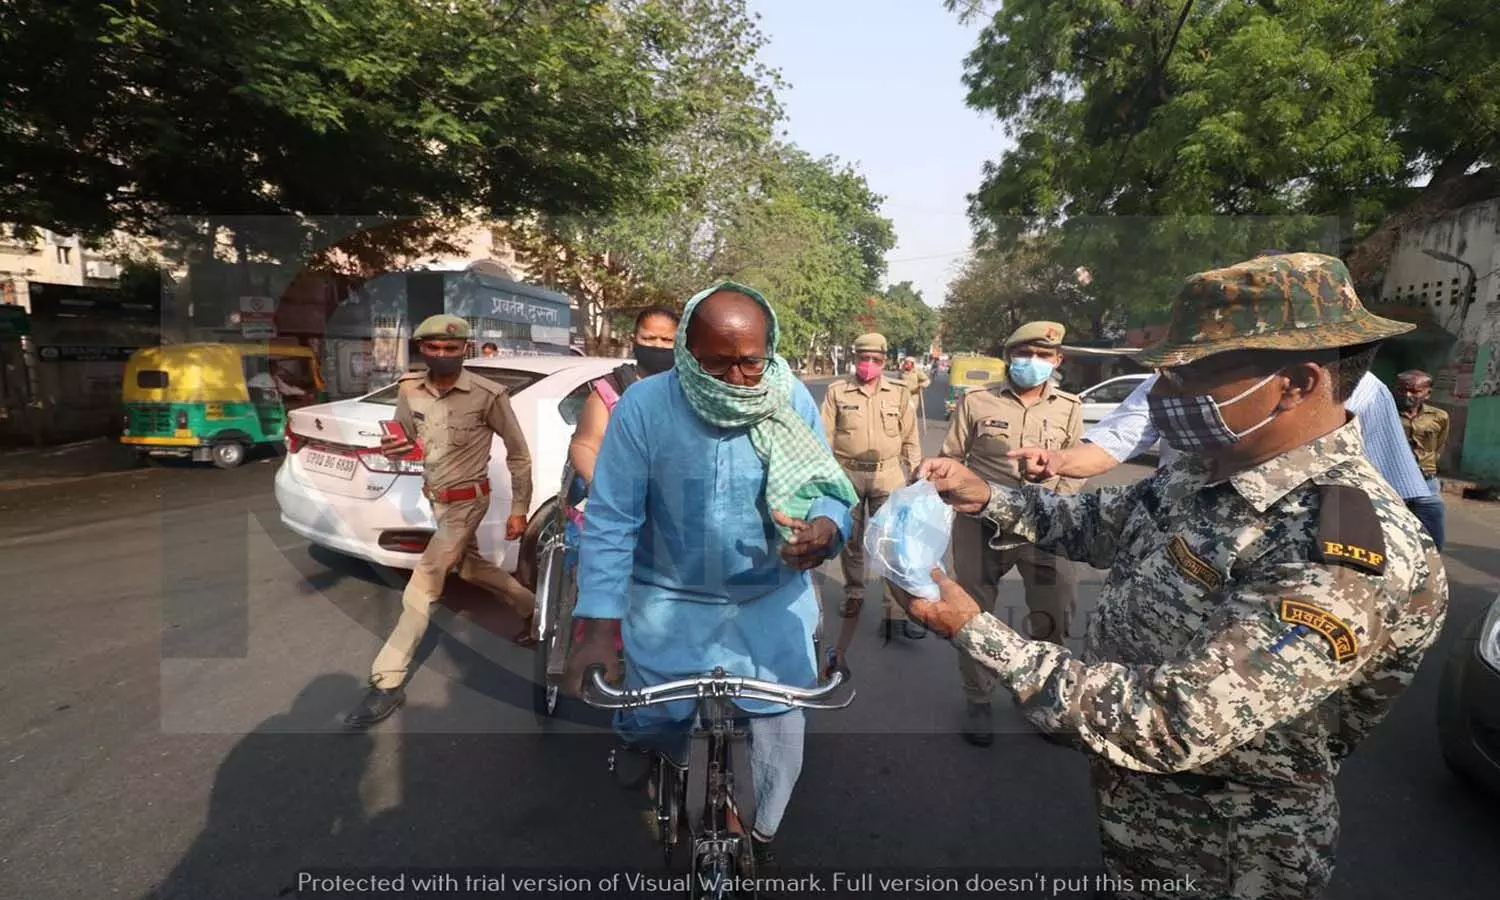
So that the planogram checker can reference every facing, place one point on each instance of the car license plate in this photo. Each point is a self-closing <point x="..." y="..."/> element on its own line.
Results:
<point x="331" y="464"/>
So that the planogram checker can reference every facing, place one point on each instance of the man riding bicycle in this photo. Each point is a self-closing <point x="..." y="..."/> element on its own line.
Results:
<point x="714" y="494"/>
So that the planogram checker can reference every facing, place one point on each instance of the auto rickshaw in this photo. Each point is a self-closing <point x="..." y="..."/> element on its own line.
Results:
<point x="215" y="402"/>
<point x="968" y="373"/>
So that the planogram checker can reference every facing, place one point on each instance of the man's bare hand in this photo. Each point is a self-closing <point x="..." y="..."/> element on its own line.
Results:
<point x="515" y="527"/>
<point x="811" y="542"/>
<point x="959" y="487"/>
<point x="1037" y="464"/>
<point x="395" y="448"/>
<point x="947" y="615"/>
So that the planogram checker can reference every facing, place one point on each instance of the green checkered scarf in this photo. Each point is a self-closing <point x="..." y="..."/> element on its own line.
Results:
<point x="800" y="469"/>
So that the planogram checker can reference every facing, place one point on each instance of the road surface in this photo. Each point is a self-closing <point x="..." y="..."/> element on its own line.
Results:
<point x="175" y="665"/>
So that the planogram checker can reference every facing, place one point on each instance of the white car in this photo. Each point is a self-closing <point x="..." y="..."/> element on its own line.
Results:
<point x="336" y="490"/>
<point x="1101" y="399"/>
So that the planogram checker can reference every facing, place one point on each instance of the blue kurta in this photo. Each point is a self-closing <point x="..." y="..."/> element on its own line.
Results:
<point x="679" y="545"/>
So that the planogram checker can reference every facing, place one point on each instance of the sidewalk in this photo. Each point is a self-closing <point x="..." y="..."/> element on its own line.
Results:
<point x="32" y="466"/>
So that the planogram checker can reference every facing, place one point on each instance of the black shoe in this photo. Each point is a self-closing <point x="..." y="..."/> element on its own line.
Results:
<point x="979" y="728"/>
<point x="631" y="765"/>
<point x="764" y="854"/>
<point x="377" y="706"/>
<point x="914" y="631"/>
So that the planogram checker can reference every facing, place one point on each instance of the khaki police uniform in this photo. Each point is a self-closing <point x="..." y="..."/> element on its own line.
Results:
<point x="872" y="430"/>
<point x="987" y="425"/>
<point x="916" y="380"/>
<point x="455" y="428"/>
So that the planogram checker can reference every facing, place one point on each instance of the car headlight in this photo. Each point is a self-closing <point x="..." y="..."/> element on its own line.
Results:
<point x="1489" y="636"/>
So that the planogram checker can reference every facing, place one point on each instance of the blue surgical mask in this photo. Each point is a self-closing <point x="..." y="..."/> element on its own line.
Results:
<point x="1028" y="372"/>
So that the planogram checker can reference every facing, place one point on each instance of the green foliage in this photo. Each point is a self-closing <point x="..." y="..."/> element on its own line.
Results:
<point x="1157" y="139"/>
<point x="908" y="323"/>
<point x="725" y="201"/>
<point x="126" y="114"/>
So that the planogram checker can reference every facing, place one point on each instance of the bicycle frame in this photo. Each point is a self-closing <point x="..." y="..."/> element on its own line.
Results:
<point x="716" y="849"/>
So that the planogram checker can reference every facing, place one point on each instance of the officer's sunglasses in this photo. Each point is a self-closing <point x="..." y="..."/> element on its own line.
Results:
<point x="749" y="366"/>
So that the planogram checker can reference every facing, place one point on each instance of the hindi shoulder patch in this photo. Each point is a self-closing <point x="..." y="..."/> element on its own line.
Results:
<point x="1335" y="631"/>
<point x="1192" y="565"/>
<point x="1349" y="531"/>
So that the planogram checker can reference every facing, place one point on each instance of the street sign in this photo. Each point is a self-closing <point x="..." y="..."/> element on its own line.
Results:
<point x="77" y="353"/>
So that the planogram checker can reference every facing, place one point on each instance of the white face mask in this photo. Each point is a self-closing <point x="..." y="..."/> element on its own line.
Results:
<point x="1194" y="423"/>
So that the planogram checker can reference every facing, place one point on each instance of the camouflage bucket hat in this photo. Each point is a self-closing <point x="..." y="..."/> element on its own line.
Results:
<point x="1292" y="301"/>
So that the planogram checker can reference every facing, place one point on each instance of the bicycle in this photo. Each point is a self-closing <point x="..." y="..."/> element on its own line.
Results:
<point x="721" y="860"/>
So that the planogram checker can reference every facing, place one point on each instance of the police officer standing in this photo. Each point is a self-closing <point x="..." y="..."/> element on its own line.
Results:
<point x="1027" y="410"/>
<point x="1269" y="595"/>
<point x="916" y="380"/>
<point x="871" y="425"/>
<point x="454" y="414"/>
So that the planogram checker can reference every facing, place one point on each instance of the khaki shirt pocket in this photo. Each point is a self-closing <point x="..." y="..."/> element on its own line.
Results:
<point x="851" y="418"/>
<point x="890" y="417"/>
<point x="993" y="436"/>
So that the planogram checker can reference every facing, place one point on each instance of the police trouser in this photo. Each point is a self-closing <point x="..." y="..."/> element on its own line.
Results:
<point x="1051" y="592"/>
<point x="452" y="545"/>
<point x="873" y="488"/>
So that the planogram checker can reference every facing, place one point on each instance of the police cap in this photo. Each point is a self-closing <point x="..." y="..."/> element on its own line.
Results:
<point x="870" y="343"/>
<point x="442" y="327"/>
<point x="1045" y="334"/>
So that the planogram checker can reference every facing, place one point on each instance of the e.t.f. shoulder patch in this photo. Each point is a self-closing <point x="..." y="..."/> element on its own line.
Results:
<point x="1349" y="530"/>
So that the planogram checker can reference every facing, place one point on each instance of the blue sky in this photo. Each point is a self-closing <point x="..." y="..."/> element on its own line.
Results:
<point x="876" y="82"/>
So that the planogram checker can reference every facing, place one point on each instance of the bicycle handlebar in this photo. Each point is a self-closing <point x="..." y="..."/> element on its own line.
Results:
<point x="598" y="693"/>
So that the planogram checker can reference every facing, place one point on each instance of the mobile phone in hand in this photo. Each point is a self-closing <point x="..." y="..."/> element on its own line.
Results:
<point x="394" y="430"/>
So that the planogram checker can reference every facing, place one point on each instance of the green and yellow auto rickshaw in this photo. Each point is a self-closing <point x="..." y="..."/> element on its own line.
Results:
<point x="215" y="402"/>
<point x="968" y="373"/>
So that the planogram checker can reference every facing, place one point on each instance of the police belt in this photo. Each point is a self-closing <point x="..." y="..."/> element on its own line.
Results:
<point x="868" y="465"/>
<point x="458" y="494"/>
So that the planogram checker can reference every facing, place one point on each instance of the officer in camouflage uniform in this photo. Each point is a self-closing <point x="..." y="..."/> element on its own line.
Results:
<point x="455" y="415"/>
<point x="1268" y="598"/>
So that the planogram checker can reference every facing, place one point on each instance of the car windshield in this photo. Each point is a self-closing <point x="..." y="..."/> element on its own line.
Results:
<point x="513" y="380"/>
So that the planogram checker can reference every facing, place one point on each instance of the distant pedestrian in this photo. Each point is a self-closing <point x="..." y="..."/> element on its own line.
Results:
<point x="1426" y="429"/>
<point x="490" y="351"/>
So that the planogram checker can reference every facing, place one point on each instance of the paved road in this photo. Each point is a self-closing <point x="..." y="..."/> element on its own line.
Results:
<point x="173" y="664"/>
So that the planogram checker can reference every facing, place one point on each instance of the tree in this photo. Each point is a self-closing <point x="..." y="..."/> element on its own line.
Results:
<point x="907" y="322"/>
<point x="1000" y="288"/>
<point x="1301" y="112"/>
<point x="125" y="116"/>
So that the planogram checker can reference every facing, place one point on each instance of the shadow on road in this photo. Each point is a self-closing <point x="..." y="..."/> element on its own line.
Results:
<point x="299" y="794"/>
<point x="286" y="794"/>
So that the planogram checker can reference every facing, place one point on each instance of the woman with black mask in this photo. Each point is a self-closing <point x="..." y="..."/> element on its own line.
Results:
<point x="655" y="339"/>
<point x="655" y="336"/>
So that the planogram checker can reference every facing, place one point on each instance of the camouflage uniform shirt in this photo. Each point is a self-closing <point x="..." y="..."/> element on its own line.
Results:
<point x="1251" y="631"/>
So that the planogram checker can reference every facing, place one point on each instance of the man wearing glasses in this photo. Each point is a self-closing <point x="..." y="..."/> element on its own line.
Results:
<point x="714" y="494"/>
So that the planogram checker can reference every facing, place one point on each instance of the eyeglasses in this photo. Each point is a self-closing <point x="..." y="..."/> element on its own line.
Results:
<point x="749" y="366"/>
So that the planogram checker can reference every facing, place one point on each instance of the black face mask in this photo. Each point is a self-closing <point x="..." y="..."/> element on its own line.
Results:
<point x="654" y="360"/>
<point x="443" y="365"/>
